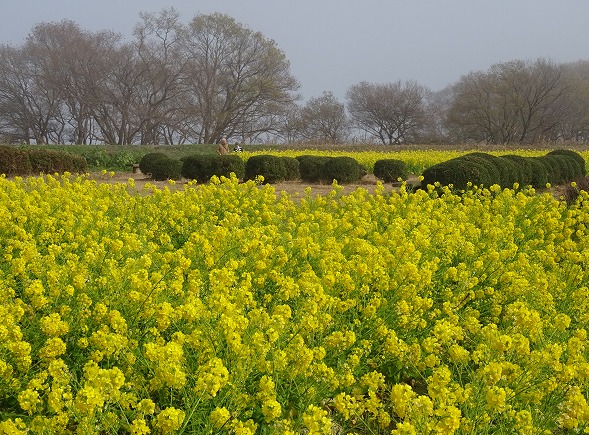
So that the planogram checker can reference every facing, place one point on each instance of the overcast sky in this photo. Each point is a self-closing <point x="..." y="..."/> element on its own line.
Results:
<point x="333" y="44"/>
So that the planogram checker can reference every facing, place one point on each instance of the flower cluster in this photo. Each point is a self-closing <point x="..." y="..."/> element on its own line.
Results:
<point x="229" y="308"/>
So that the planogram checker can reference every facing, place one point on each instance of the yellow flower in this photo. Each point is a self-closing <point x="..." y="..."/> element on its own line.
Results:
<point x="139" y="427"/>
<point x="53" y="347"/>
<point x="53" y="326"/>
<point x="169" y="420"/>
<point x="404" y="428"/>
<point x="219" y="417"/>
<point x="29" y="400"/>
<point x="212" y="376"/>
<point x="317" y="421"/>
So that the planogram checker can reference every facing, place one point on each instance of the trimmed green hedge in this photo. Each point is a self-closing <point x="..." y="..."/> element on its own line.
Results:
<point x="557" y="167"/>
<point x="17" y="161"/>
<point x="311" y="167"/>
<point x="148" y="161"/>
<point x="14" y="161"/>
<point x="457" y="172"/>
<point x="390" y="170"/>
<point x="272" y="168"/>
<point x="166" y="169"/>
<point x="49" y="162"/>
<point x="343" y="169"/>
<point x="292" y="167"/>
<point x="202" y="167"/>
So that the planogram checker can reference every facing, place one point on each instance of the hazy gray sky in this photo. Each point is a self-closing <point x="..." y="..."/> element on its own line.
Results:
<point x="333" y="44"/>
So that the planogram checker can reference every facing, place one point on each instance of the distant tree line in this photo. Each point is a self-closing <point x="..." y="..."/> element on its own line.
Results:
<point x="176" y="83"/>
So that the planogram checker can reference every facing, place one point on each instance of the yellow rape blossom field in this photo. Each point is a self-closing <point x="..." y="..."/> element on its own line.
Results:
<point x="229" y="308"/>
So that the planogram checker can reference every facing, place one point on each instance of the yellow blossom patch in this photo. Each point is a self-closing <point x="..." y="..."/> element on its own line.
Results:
<point x="225" y="308"/>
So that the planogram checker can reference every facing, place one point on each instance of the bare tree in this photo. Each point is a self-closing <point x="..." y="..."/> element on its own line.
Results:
<point x="436" y="107"/>
<point x="158" y="44"/>
<point x="233" y="76"/>
<point x="513" y="102"/>
<point x="28" y="104"/>
<point x="392" y="112"/>
<point x="324" y="119"/>
<point x="59" y="49"/>
<point x="575" y="120"/>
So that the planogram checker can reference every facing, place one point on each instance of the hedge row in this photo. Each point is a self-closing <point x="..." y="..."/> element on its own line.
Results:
<point x="16" y="161"/>
<point x="200" y="167"/>
<point x="557" y="167"/>
<point x="272" y="168"/>
<point x="326" y="169"/>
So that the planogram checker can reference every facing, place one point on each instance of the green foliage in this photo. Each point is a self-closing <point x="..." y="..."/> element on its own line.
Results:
<point x="540" y="174"/>
<point x="311" y="167"/>
<point x="390" y="170"/>
<point x="575" y="160"/>
<point x="51" y="161"/>
<point x="521" y="167"/>
<point x="458" y="172"/>
<point x="14" y="161"/>
<point x="291" y="165"/>
<point x="272" y="168"/>
<point x="106" y="157"/>
<point x="343" y="169"/>
<point x="558" y="167"/>
<point x="223" y="166"/>
<point x="555" y="167"/>
<point x="33" y="161"/>
<point x="165" y="168"/>
<point x="202" y="167"/>
<point x="198" y="167"/>
<point x="149" y="160"/>
<point x="488" y="166"/>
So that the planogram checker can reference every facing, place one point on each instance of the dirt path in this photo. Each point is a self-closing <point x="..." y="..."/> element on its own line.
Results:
<point x="293" y="188"/>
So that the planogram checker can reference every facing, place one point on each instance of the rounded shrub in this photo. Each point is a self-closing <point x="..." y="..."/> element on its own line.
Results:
<point x="147" y="161"/>
<point x="540" y="172"/>
<point x="521" y="166"/>
<point x="76" y="163"/>
<point x="510" y="172"/>
<point x="311" y="167"/>
<point x="506" y="171"/>
<point x="198" y="167"/>
<point x="390" y="170"/>
<point x="491" y="171"/>
<point x="291" y="165"/>
<point x="223" y="166"/>
<point x="166" y="169"/>
<point x="458" y="172"/>
<point x="344" y="169"/>
<point x="568" y="167"/>
<point x="202" y="167"/>
<point x="578" y="162"/>
<point x="14" y="161"/>
<point x="272" y="168"/>
<point x="556" y="168"/>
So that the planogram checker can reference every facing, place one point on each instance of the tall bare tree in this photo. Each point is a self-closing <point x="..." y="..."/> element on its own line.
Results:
<point x="233" y="76"/>
<point x="324" y="119"/>
<point x="392" y="112"/>
<point x="59" y="49"/>
<point x="158" y="44"/>
<point x="29" y="105"/>
<point x="575" y="122"/>
<point x="513" y="102"/>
